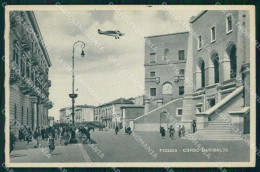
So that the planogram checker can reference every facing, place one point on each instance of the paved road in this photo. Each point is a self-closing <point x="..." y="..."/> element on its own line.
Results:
<point x="143" y="146"/>
<point x="69" y="153"/>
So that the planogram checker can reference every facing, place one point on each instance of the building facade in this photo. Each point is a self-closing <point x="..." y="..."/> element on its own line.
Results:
<point x="218" y="67"/>
<point x="216" y="77"/>
<point x="83" y="113"/>
<point x="165" y="69"/>
<point x="110" y="113"/>
<point x="129" y="113"/>
<point x="164" y="81"/>
<point x="29" y="66"/>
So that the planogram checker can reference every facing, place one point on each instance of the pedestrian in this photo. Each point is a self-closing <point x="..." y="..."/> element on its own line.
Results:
<point x="12" y="141"/>
<point x="66" y="137"/>
<point x="163" y="132"/>
<point x="129" y="132"/>
<point x="56" y="133"/>
<point x="51" y="142"/>
<point x="42" y="133"/>
<point x="61" y="134"/>
<point x="194" y="126"/>
<point x="171" y="131"/>
<point x="35" y="137"/>
<point x="29" y="136"/>
<point x="21" y="135"/>
<point x="183" y="131"/>
<point x="116" y="129"/>
<point x="46" y="133"/>
<point x="179" y="131"/>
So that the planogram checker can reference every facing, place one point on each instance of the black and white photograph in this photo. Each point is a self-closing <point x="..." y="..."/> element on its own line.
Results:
<point x="130" y="86"/>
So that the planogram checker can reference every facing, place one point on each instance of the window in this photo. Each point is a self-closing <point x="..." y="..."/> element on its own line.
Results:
<point x="181" y="72"/>
<point x="178" y="111"/>
<point x="213" y="34"/>
<point x="181" y="55"/>
<point x="199" y="43"/>
<point x="229" y="23"/>
<point x="153" y="91"/>
<point x="181" y="90"/>
<point x="167" y="88"/>
<point x="152" y="74"/>
<point x="152" y="57"/>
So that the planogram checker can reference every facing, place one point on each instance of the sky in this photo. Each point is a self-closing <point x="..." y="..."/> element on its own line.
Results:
<point x="101" y="76"/>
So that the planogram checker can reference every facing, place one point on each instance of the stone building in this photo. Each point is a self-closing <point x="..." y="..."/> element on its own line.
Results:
<point x="129" y="113"/>
<point x="29" y="66"/>
<point x="165" y="69"/>
<point x="164" y="80"/>
<point x="110" y="113"/>
<point x="217" y="74"/>
<point x="216" y="78"/>
<point x="83" y="113"/>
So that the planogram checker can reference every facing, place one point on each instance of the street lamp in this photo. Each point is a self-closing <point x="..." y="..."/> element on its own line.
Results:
<point x="73" y="96"/>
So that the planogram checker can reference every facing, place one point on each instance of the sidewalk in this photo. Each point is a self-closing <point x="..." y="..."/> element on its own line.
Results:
<point x="70" y="153"/>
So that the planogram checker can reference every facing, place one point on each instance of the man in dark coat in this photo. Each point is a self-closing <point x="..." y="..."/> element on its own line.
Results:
<point x="42" y="133"/>
<point x="12" y="141"/>
<point x="194" y="126"/>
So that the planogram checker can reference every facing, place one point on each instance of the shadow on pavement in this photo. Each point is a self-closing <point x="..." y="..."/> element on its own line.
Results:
<point x="16" y="155"/>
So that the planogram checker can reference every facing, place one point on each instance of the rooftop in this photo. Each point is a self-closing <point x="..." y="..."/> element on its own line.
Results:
<point x="118" y="101"/>
<point x="169" y="34"/>
<point x="194" y="18"/>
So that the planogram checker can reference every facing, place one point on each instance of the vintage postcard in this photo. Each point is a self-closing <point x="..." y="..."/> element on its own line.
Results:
<point x="130" y="86"/>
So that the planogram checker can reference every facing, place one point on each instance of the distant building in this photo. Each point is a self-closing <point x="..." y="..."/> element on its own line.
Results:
<point x="29" y="67"/>
<point x="110" y="113"/>
<point x="83" y="113"/>
<point x="139" y="100"/>
<point x="129" y="113"/>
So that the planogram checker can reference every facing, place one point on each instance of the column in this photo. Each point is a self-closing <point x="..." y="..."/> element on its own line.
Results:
<point x="35" y="112"/>
<point x="188" y="103"/>
<point x="146" y="106"/>
<point x="211" y="74"/>
<point x="226" y="67"/>
<point x="198" y="79"/>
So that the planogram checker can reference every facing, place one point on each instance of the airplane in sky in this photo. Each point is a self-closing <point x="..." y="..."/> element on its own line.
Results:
<point x="115" y="33"/>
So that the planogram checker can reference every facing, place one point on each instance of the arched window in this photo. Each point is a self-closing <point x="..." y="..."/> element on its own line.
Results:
<point x="233" y="62"/>
<point x="230" y="62"/>
<point x="167" y="88"/>
<point x="214" y="68"/>
<point x="201" y="73"/>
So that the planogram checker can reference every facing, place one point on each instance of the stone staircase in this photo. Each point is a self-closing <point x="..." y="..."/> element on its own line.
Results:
<point x="216" y="130"/>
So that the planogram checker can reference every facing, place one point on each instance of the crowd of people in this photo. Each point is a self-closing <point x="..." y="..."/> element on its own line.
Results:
<point x="50" y="134"/>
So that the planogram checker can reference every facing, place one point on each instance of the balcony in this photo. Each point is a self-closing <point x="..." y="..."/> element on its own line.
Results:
<point x="153" y="79"/>
<point x="26" y="86"/>
<point x="34" y="59"/>
<point x="40" y="69"/>
<point x="14" y="78"/>
<point x="25" y="44"/>
<point x="49" y="83"/>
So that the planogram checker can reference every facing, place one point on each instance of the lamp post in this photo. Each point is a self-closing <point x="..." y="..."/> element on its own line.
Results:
<point x="73" y="96"/>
